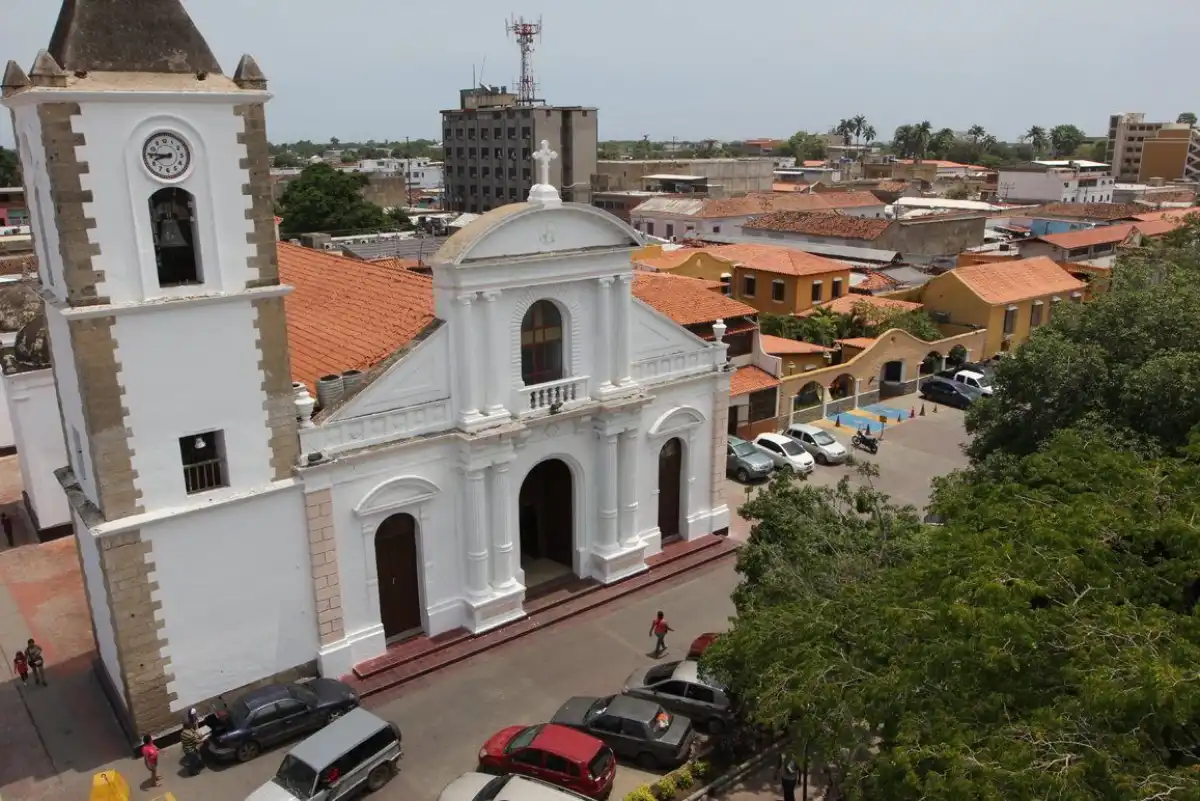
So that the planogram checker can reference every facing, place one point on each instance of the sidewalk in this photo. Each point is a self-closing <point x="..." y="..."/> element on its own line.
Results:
<point x="762" y="785"/>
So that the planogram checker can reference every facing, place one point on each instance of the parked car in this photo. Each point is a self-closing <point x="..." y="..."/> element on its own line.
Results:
<point x="276" y="714"/>
<point x="680" y="687"/>
<point x="632" y="727"/>
<point x="949" y="393"/>
<point x="745" y="461"/>
<point x="818" y="442"/>
<point x="555" y="754"/>
<point x="485" y="787"/>
<point x="784" y="452"/>
<point x="357" y="751"/>
<point x="978" y="380"/>
<point x="701" y="643"/>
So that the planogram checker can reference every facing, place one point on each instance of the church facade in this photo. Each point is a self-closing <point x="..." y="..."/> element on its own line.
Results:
<point x="519" y="417"/>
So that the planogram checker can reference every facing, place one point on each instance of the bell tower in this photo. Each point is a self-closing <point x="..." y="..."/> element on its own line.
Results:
<point x="147" y="174"/>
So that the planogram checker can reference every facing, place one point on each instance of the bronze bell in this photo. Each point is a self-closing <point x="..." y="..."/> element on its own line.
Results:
<point x="170" y="235"/>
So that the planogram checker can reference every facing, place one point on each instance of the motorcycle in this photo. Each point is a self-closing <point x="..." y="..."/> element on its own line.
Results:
<point x="866" y="442"/>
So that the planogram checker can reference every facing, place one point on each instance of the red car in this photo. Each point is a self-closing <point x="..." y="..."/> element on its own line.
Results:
<point x="701" y="643"/>
<point x="555" y="754"/>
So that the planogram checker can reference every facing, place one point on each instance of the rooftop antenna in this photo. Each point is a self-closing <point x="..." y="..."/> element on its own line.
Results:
<point x="525" y="33"/>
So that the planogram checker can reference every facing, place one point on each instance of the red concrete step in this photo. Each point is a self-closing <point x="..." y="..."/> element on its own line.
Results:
<point x="403" y="664"/>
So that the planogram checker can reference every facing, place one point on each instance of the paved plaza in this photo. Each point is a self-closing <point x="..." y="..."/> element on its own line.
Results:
<point x="57" y="737"/>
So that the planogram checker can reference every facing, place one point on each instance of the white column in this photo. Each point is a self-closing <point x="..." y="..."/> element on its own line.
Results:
<point x="627" y="473"/>
<point x="498" y="365"/>
<point x="477" y="545"/>
<point x="624" y="320"/>
<point x="503" y="560"/>
<point x="606" y="537"/>
<point x="604" y="343"/>
<point x="468" y="378"/>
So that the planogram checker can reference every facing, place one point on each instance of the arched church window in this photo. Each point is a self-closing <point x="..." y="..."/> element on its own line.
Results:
<point x="541" y="344"/>
<point x="173" y="226"/>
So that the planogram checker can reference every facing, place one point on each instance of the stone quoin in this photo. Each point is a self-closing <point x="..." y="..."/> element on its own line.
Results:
<point x="522" y="418"/>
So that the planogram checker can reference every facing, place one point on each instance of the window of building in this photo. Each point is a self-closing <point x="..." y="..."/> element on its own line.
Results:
<point x="471" y="152"/>
<point x="526" y="132"/>
<point x="670" y="230"/>
<point x="173" y="227"/>
<point x="512" y="173"/>
<point x="512" y="131"/>
<point x="1035" y="314"/>
<point x="470" y="133"/>
<point x="486" y="171"/>
<point x="203" y="457"/>
<point x="817" y="289"/>
<point x="726" y="279"/>
<point x="497" y="132"/>
<point x="462" y="152"/>
<point x="762" y="405"/>
<point x="837" y="287"/>
<point x="716" y="229"/>
<point x="512" y="194"/>
<point x="1010" y="319"/>
<point x="748" y="284"/>
<point x="498" y="152"/>
<point x="739" y="344"/>
<point x="637" y="225"/>
<point x="526" y="174"/>
<point x="471" y="172"/>
<point x="525" y="113"/>
<point x="777" y="289"/>
<point x="526" y="154"/>
<point x="447" y="133"/>
<point x="487" y="191"/>
<point x="541" y="344"/>
<point x="650" y="227"/>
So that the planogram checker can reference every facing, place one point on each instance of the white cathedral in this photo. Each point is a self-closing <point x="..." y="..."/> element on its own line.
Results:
<point x="521" y="416"/>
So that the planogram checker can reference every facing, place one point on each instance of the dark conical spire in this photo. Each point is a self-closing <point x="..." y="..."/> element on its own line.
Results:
<point x="248" y="74"/>
<point x="15" y="79"/>
<point x="129" y="36"/>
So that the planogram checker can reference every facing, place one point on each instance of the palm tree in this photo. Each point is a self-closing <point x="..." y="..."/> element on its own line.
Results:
<point x="1036" y="136"/>
<point x="858" y="124"/>
<point x="845" y="129"/>
<point x="902" y="141"/>
<point x="940" y="142"/>
<point x="975" y="133"/>
<point x="987" y="142"/>
<point x="921" y="136"/>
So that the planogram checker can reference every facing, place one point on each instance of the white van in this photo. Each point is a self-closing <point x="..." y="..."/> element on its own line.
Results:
<point x="973" y="379"/>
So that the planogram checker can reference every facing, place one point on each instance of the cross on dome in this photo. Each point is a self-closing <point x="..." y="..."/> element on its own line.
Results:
<point x="543" y="191"/>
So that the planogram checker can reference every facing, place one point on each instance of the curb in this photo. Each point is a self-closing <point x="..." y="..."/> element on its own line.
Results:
<point x="747" y="767"/>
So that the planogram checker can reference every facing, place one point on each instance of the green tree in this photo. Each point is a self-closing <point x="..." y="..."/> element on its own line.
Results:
<point x="10" y="168"/>
<point x="329" y="200"/>
<point x="286" y="160"/>
<point x="400" y="219"/>
<point x="976" y="133"/>
<point x="940" y="143"/>
<point x="1036" y="137"/>
<point x="1128" y="360"/>
<point x="1041" y="645"/>
<point x="1187" y="117"/>
<point x="1065" y="140"/>
<point x="804" y="146"/>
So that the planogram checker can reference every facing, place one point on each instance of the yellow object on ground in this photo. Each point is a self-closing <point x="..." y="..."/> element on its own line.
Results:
<point x="167" y="797"/>
<point x="109" y="786"/>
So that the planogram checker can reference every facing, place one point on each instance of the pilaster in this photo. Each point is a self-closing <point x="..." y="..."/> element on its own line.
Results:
<point x="477" y="544"/>
<point x="627" y="470"/>
<point x="504" y="555"/>
<point x="624" y="290"/>
<point x="617" y="552"/>
<point x="606" y="535"/>
<point x="497" y="365"/>
<point x="604" y="340"/>
<point x="468" y="374"/>
<point x="322" y="547"/>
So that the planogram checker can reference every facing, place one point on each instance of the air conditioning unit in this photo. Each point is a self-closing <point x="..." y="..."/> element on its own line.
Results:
<point x="941" y="317"/>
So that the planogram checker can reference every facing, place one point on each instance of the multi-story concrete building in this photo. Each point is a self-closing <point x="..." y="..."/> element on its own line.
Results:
<point x="489" y="142"/>
<point x="1056" y="182"/>
<point x="420" y="173"/>
<point x="1140" y="150"/>
<point x="13" y="209"/>
<point x="727" y="176"/>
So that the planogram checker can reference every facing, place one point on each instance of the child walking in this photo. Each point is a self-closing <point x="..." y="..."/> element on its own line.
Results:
<point x="21" y="666"/>
<point x="150" y="759"/>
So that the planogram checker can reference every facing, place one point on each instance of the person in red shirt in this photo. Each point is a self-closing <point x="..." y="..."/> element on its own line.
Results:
<point x="150" y="758"/>
<point x="21" y="665"/>
<point x="659" y="628"/>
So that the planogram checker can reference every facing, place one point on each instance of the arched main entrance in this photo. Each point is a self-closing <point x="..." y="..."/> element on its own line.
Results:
<point x="547" y="521"/>
<point x="397" y="566"/>
<point x="670" y="488"/>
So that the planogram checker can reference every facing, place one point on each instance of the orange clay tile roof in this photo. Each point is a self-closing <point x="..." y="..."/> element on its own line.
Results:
<point x="789" y="187"/>
<point x="849" y="304"/>
<point x="813" y="163"/>
<point x="777" y="259"/>
<point x="1088" y="211"/>
<point x="782" y="346"/>
<point x="396" y="263"/>
<point x="891" y="186"/>
<point x="751" y="379"/>
<point x="765" y="202"/>
<point x="1009" y="282"/>
<point x="687" y="301"/>
<point x="1103" y="235"/>
<point x="838" y="226"/>
<point x="1158" y="227"/>
<point x="25" y="264"/>
<point x="876" y="282"/>
<point x="347" y="314"/>
<point x="862" y="343"/>
<point x="669" y="260"/>
<point x="1166" y="213"/>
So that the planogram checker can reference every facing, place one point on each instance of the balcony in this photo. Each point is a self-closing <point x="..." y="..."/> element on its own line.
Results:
<point x="553" y="395"/>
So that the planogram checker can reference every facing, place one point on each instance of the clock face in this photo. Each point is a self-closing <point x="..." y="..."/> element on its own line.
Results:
<point x="166" y="155"/>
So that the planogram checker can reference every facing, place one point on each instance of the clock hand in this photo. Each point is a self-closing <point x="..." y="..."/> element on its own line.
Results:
<point x="160" y="156"/>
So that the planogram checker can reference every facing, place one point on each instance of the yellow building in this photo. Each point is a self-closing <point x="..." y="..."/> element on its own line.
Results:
<point x="1008" y="299"/>
<point x="772" y="279"/>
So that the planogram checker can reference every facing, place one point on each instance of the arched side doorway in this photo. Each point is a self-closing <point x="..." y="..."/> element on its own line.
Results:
<point x="397" y="565"/>
<point x="670" y="489"/>
<point x="547" y="522"/>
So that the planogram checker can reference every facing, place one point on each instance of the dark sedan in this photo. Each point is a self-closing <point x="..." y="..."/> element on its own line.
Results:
<point x="275" y="714"/>
<point x="633" y="728"/>
<point x="949" y="393"/>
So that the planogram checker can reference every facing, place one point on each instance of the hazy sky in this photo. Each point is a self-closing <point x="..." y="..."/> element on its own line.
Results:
<point x="362" y="69"/>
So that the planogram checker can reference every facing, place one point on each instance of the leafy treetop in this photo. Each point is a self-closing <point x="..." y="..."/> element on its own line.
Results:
<point x="329" y="200"/>
<point x="824" y="327"/>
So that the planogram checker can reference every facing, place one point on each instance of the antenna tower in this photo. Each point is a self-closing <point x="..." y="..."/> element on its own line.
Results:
<point x="525" y="33"/>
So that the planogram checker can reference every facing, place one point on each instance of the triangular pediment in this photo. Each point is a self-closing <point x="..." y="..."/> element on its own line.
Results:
<point x="529" y="229"/>
<point x="654" y="334"/>
<point x="420" y="375"/>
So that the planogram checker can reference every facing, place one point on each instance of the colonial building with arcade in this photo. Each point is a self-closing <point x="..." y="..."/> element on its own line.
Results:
<point x="277" y="460"/>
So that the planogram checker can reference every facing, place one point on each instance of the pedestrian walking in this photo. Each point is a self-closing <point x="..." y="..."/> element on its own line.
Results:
<point x="37" y="662"/>
<point x="6" y="524"/>
<point x="788" y="773"/>
<point x="658" y="629"/>
<point x="150" y="759"/>
<point x="21" y="666"/>
<point x="191" y="739"/>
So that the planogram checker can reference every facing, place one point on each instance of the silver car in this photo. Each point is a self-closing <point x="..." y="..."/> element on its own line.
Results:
<point x="680" y="688"/>
<point x="819" y="442"/>
<point x="745" y="461"/>
<point x="485" y="787"/>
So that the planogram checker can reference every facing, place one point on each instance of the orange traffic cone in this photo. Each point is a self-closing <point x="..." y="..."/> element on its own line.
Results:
<point x="837" y="422"/>
<point x="912" y="412"/>
<point x="922" y="410"/>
